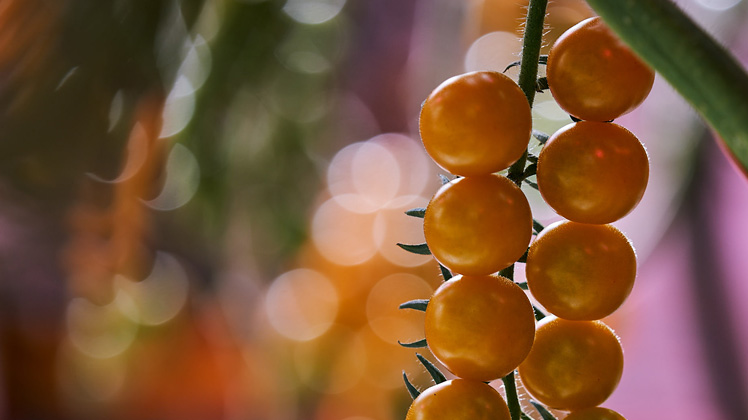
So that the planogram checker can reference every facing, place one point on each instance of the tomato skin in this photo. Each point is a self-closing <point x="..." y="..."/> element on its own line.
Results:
<point x="572" y="364"/>
<point x="593" y="75"/>
<point x="480" y="327"/>
<point x="594" y="413"/>
<point x="476" y="123"/>
<point x="579" y="271"/>
<point x="592" y="172"/>
<point x="478" y="225"/>
<point x="459" y="399"/>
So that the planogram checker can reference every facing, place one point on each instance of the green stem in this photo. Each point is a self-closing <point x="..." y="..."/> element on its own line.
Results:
<point x="528" y="70"/>
<point x="528" y="75"/>
<point x="511" y="396"/>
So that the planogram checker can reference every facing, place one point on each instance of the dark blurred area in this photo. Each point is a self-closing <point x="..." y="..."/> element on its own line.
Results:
<point x="199" y="201"/>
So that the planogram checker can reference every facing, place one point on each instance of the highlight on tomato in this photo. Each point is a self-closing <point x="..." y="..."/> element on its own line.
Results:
<point x="480" y="327"/>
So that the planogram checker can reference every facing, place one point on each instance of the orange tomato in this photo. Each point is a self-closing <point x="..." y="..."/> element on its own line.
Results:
<point x="476" y="123"/>
<point x="593" y="75"/>
<point x="478" y="225"/>
<point x="579" y="271"/>
<point x="592" y="172"/>
<point x="572" y="364"/>
<point x="459" y="399"/>
<point x="480" y="327"/>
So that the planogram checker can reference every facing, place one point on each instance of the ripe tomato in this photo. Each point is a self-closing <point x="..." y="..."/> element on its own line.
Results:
<point x="594" y="413"/>
<point x="480" y="327"/>
<point x="478" y="225"/>
<point x="593" y="75"/>
<point x="593" y="172"/>
<point x="459" y="399"/>
<point x="579" y="271"/>
<point x="476" y="123"/>
<point x="572" y="364"/>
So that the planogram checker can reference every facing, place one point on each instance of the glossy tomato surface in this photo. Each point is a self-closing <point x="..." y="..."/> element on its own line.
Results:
<point x="572" y="364"/>
<point x="593" y="75"/>
<point x="478" y="225"/>
<point x="459" y="399"/>
<point x="476" y="123"/>
<point x="594" y="413"/>
<point x="480" y="327"/>
<point x="593" y="172"/>
<point x="579" y="271"/>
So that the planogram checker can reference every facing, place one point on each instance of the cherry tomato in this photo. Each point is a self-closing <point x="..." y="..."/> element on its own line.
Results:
<point x="579" y="271"/>
<point x="572" y="364"/>
<point x="478" y="225"/>
<point x="592" y="172"/>
<point x="593" y="75"/>
<point x="594" y="413"/>
<point x="480" y="327"/>
<point x="459" y="399"/>
<point x="476" y="124"/>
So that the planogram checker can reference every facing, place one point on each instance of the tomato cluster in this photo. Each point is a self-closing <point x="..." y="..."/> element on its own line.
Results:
<point x="480" y="325"/>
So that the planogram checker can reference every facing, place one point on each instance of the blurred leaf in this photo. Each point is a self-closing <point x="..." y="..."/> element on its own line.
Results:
<point x="700" y="69"/>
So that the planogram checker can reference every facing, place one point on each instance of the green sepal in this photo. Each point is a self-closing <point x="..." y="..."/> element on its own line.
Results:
<point x="414" y="345"/>
<point x="420" y="249"/>
<point x="538" y="313"/>
<point x="414" y="393"/>
<point x="417" y="304"/>
<point x="435" y="373"/>
<point x="445" y="272"/>
<point x="419" y="212"/>
<point x="544" y="413"/>
<point x="540" y="136"/>
<point x="523" y="285"/>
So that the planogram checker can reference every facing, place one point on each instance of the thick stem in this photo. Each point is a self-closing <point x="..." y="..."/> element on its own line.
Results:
<point x="532" y="40"/>
<point x="528" y="75"/>
<point x="511" y="396"/>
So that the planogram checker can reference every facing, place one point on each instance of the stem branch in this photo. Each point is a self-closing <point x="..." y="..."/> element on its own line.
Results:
<point x="528" y="70"/>
<point x="528" y="75"/>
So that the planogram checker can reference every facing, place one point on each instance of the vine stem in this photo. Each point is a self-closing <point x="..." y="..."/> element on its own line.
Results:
<point x="532" y="40"/>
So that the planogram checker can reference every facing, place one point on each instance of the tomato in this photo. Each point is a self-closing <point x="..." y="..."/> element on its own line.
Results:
<point x="594" y="413"/>
<point x="476" y="124"/>
<point x="572" y="364"/>
<point x="480" y="327"/>
<point x="459" y="399"/>
<point x="593" y="75"/>
<point x="592" y="172"/>
<point x="478" y="225"/>
<point x="579" y="271"/>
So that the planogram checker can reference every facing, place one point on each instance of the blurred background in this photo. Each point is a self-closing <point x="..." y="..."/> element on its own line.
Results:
<point x="200" y="200"/>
